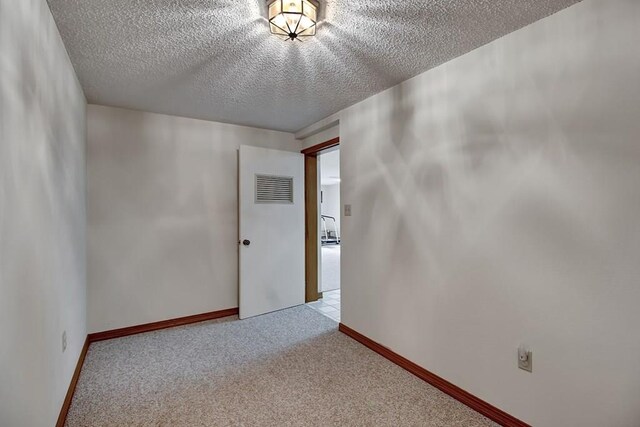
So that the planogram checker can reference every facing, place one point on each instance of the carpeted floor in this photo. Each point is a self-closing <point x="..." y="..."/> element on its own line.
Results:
<point x="289" y="368"/>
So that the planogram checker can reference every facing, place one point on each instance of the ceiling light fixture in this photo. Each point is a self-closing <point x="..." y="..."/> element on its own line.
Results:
<point x="293" y="18"/>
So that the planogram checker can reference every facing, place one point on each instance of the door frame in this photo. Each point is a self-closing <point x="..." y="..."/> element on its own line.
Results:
<point x="311" y="214"/>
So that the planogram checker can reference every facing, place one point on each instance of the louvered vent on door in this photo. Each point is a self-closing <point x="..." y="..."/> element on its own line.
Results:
<point x="274" y="189"/>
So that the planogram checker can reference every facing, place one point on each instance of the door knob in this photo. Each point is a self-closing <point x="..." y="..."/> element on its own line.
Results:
<point x="246" y="242"/>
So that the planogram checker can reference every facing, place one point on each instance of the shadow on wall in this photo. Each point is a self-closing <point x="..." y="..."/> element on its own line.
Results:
<point x="42" y="216"/>
<point x="434" y="175"/>
<point x="502" y="188"/>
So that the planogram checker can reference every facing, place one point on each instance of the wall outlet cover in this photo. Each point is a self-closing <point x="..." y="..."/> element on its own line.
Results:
<point x="525" y="359"/>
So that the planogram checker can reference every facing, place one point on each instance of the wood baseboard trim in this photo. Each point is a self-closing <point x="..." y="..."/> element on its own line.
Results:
<point x="123" y="332"/>
<point x="66" y="404"/>
<point x="475" y="403"/>
<point x="163" y="324"/>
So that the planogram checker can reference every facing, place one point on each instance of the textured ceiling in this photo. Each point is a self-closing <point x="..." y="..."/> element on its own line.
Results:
<point x="215" y="59"/>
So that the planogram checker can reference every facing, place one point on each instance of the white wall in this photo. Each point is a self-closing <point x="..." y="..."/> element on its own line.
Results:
<point x="42" y="216"/>
<point x="331" y="202"/>
<point x="330" y="184"/>
<point x="320" y="137"/>
<point x="496" y="201"/>
<point x="162" y="214"/>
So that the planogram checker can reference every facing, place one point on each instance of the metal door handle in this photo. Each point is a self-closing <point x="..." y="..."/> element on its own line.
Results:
<point x="246" y="242"/>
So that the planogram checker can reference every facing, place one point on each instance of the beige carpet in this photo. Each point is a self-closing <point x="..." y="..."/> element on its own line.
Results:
<point x="290" y="368"/>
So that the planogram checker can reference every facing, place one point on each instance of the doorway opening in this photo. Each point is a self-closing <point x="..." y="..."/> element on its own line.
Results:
<point x="323" y="228"/>
<point x="330" y="234"/>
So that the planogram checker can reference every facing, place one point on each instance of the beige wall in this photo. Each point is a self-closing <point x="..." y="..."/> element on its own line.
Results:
<point x="331" y="203"/>
<point x="496" y="201"/>
<point x="42" y="216"/>
<point x="320" y="137"/>
<point x="162" y="214"/>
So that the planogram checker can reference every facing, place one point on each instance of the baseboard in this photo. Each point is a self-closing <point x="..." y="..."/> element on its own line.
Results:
<point x="479" y="405"/>
<point x="123" y="332"/>
<point x="163" y="324"/>
<point x="66" y="404"/>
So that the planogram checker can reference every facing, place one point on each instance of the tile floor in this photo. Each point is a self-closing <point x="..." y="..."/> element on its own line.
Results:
<point x="329" y="305"/>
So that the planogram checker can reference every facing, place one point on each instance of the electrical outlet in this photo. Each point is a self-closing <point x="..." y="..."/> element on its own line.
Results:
<point x="525" y="358"/>
<point x="347" y="210"/>
<point x="64" y="341"/>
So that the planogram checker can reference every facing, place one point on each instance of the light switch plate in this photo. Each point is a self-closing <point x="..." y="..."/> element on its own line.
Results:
<point x="347" y="210"/>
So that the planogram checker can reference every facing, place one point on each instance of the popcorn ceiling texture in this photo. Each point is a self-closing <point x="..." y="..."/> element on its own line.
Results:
<point x="216" y="60"/>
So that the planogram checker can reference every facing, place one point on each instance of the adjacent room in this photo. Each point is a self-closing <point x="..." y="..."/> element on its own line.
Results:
<point x="329" y="303"/>
<point x="319" y="213"/>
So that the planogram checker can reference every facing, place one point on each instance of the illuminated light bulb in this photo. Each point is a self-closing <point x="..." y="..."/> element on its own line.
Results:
<point x="293" y="18"/>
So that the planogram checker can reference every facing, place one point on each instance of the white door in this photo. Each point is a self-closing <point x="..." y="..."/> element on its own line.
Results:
<point x="271" y="230"/>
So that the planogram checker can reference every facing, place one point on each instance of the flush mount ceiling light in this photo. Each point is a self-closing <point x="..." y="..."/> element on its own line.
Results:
<point x="293" y="18"/>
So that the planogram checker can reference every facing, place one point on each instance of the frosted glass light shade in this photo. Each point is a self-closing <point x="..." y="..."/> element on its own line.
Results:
<point x="293" y="18"/>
